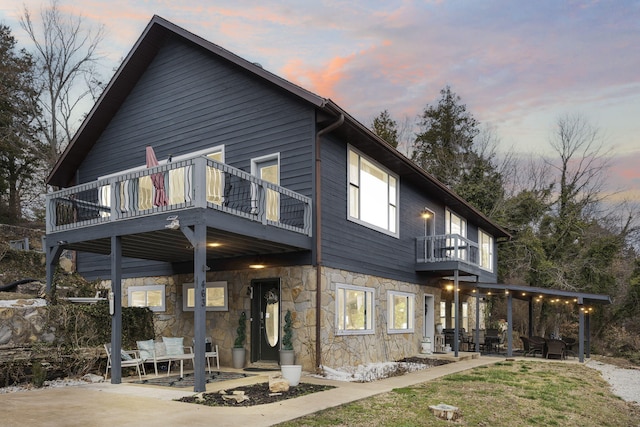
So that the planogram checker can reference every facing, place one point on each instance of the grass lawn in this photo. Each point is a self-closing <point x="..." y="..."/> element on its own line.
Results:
<point x="522" y="393"/>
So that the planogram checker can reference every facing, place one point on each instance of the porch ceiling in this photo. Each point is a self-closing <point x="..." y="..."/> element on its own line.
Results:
<point x="172" y="246"/>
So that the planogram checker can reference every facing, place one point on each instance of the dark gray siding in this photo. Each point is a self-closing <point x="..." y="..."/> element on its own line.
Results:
<point x="355" y="247"/>
<point x="189" y="100"/>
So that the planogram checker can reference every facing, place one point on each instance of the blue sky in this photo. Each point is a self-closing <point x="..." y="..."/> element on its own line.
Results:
<point x="517" y="65"/>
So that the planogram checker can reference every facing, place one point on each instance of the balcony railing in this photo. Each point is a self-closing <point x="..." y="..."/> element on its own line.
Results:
<point x="190" y="183"/>
<point x="447" y="247"/>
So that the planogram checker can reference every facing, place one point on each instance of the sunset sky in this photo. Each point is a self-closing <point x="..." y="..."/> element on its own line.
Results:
<point x="517" y="65"/>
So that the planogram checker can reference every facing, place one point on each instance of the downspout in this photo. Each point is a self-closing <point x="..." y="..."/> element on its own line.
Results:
<point x="318" y="233"/>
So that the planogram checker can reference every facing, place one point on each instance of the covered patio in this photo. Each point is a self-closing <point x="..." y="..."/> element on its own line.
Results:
<point x="584" y="302"/>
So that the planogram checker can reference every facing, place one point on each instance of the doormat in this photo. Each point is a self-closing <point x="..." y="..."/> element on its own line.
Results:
<point x="260" y="369"/>
<point x="189" y="380"/>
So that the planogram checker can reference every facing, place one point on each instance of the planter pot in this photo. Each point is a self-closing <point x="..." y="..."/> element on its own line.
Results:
<point x="287" y="357"/>
<point x="238" y="357"/>
<point x="291" y="373"/>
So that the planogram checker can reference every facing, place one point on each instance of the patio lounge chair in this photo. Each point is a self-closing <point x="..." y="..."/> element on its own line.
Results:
<point x="556" y="348"/>
<point x="128" y="359"/>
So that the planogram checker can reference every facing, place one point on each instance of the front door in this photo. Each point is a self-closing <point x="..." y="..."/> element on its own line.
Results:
<point x="265" y="320"/>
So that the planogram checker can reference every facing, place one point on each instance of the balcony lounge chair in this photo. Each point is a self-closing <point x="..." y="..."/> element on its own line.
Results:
<point x="128" y="359"/>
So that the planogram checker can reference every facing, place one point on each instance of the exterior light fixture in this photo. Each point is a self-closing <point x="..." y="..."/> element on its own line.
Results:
<point x="174" y="223"/>
<point x="214" y="245"/>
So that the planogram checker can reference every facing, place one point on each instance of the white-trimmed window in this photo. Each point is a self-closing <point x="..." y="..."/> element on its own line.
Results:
<point x="216" y="298"/>
<point x="373" y="194"/>
<point x="401" y="312"/>
<point x="152" y="296"/>
<point x="455" y="225"/>
<point x="354" y="310"/>
<point x="485" y="242"/>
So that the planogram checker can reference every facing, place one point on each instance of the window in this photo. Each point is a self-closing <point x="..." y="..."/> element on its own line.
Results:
<point x="216" y="297"/>
<point x="464" y="319"/>
<point x="443" y="313"/>
<point x="455" y="226"/>
<point x="147" y="296"/>
<point x="354" y="310"/>
<point x="401" y="312"/>
<point x="373" y="194"/>
<point x="485" y="241"/>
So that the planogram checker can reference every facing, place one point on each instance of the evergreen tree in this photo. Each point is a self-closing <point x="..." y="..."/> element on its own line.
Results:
<point x="386" y="128"/>
<point x="19" y="150"/>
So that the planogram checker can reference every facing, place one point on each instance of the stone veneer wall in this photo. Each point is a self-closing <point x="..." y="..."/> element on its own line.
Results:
<point x="298" y="290"/>
<point x="297" y="295"/>
<point x="352" y="350"/>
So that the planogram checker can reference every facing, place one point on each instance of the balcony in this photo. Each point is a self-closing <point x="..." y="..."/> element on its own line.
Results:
<point x="446" y="253"/>
<point x="170" y="188"/>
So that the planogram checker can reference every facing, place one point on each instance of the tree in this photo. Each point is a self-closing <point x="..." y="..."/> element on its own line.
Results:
<point x="386" y="128"/>
<point x="444" y="144"/>
<point x="453" y="147"/>
<point x="19" y="159"/>
<point x="66" y="53"/>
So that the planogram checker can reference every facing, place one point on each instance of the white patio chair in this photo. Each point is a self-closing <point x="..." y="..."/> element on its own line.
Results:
<point x="128" y="359"/>
<point x="211" y="352"/>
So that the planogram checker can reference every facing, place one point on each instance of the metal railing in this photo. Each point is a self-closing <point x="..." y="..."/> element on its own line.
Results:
<point x="195" y="182"/>
<point x="447" y="247"/>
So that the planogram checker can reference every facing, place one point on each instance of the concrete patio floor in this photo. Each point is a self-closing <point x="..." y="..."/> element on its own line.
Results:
<point x="129" y="404"/>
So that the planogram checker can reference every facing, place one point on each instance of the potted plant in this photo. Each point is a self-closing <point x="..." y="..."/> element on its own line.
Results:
<point x="287" y="356"/>
<point x="238" y="351"/>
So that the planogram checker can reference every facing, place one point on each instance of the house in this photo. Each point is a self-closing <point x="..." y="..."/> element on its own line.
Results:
<point x="266" y="198"/>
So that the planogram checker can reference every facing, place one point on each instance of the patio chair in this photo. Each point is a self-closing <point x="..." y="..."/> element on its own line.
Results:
<point x="211" y="351"/>
<point x="128" y="359"/>
<point x="556" y="348"/>
<point x="536" y="345"/>
<point x="570" y="342"/>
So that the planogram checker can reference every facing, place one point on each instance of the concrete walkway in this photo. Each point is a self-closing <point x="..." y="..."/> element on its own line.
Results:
<point x="128" y="404"/>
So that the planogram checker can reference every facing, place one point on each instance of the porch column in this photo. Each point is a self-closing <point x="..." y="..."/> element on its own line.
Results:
<point x="509" y="325"/>
<point x="456" y="319"/>
<point x="581" y="335"/>
<point x="476" y="338"/>
<point x="52" y="257"/>
<point x="116" y="315"/>
<point x="530" y="327"/>
<point x="200" y="309"/>
<point x="587" y="321"/>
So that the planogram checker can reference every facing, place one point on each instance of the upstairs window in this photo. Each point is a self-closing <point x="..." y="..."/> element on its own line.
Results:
<point x="373" y="194"/>
<point x="485" y="242"/>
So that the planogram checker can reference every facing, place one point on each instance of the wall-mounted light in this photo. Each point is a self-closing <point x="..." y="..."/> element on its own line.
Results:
<point x="214" y="245"/>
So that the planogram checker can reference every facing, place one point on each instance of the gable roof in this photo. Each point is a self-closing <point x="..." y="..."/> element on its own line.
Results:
<point x="143" y="53"/>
